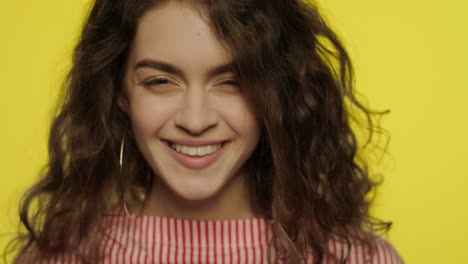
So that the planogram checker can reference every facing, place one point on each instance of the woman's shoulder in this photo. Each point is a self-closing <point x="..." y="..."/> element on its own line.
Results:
<point x="384" y="252"/>
<point x="380" y="252"/>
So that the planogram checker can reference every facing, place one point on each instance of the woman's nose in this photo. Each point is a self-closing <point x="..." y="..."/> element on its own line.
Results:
<point x="195" y="114"/>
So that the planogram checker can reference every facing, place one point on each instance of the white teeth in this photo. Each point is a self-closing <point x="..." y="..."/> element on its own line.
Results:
<point x="196" y="151"/>
<point x="192" y="151"/>
<point x="203" y="151"/>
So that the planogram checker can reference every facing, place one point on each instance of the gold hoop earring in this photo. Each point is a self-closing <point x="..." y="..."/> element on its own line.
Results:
<point x="122" y="144"/>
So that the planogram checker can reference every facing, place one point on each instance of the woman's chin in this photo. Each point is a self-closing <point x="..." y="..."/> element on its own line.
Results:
<point x="194" y="191"/>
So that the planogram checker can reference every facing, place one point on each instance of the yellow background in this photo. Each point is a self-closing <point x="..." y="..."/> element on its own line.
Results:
<point x="410" y="56"/>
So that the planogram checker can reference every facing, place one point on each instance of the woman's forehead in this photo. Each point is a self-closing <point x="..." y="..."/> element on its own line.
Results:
<point x="177" y="34"/>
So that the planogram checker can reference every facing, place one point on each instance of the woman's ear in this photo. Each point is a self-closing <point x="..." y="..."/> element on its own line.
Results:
<point x="122" y="102"/>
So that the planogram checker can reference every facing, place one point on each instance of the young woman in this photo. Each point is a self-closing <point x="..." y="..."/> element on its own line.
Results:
<point x="204" y="132"/>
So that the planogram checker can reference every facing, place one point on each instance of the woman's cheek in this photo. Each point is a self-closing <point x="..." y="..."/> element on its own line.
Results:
<point x="239" y="114"/>
<point x="149" y="113"/>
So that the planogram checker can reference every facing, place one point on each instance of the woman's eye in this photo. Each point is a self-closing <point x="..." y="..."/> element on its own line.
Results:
<point x="233" y="83"/>
<point x="156" y="82"/>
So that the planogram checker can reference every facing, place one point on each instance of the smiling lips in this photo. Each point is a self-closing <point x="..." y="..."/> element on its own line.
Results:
<point x="195" y="154"/>
<point x="195" y="151"/>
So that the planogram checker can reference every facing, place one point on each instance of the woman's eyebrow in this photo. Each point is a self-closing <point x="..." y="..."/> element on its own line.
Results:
<point x="173" y="69"/>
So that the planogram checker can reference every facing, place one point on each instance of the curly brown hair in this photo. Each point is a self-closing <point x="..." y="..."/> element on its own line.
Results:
<point x="305" y="171"/>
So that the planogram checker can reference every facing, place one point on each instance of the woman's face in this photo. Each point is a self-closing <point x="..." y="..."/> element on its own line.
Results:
<point x="191" y="122"/>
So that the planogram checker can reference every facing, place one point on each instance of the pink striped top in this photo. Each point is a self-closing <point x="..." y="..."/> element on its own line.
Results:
<point x="153" y="239"/>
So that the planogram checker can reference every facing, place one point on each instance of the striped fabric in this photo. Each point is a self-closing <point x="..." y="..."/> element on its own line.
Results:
<point x="152" y="239"/>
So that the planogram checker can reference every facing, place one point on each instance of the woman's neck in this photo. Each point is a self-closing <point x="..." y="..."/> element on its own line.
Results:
<point x="231" y="202"/>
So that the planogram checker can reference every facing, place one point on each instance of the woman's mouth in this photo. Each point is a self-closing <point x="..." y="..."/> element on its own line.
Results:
<point x="195" y="157"/>
<point x="195" y="151"/>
